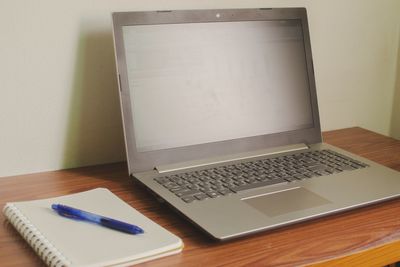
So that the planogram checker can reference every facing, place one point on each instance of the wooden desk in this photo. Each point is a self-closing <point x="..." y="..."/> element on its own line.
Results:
<point x="365" y="237"/>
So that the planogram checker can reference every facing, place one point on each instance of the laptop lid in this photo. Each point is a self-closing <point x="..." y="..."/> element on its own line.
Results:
<point x="203" y="83"/>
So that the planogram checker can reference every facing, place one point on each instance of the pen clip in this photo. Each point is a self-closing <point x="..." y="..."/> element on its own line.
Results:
<point x="65" y="211"/>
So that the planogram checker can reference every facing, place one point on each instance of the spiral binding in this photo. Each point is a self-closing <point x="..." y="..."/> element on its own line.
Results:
<point x="49" y="254"/>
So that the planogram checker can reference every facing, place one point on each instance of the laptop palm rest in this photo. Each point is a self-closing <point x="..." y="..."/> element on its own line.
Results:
<point x="283" y="202"/>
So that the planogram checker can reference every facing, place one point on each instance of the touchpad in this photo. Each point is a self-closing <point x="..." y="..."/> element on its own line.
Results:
<point x="286" y="201"/>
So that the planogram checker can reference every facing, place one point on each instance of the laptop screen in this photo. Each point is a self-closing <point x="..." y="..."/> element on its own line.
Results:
<point x="196" y="83"/>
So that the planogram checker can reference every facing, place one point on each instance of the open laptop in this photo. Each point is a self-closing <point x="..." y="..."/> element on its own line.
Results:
<point x="221" y="120"/>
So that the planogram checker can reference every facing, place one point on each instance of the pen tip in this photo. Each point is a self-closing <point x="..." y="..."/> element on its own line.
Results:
<point x="138" y="230"/>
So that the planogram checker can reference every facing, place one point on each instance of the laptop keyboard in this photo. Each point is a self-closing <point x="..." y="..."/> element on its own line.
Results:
<point x="230" y="179"/>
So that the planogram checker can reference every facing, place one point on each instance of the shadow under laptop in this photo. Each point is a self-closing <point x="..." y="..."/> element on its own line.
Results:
<point x="94" y="132"/>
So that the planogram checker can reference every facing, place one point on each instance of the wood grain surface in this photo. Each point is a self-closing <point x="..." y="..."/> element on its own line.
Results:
<point x="369" y="236"/>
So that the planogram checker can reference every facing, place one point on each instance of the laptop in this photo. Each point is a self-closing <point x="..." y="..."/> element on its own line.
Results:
<point x="221" y="120"/>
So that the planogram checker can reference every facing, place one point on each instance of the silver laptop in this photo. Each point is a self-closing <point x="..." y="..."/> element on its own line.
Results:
<point x="221" y="120"/>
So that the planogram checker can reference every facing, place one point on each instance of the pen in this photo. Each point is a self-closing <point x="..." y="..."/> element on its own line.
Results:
<point x="77" y="214"/>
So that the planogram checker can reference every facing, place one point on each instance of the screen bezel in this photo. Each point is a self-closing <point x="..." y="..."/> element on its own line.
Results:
<point x="145" y="161"/>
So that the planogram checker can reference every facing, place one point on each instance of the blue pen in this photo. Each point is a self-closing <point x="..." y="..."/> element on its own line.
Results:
<point x="77" y="214"/>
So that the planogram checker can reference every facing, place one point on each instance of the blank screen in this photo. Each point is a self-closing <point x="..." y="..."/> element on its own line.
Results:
<point x="195" y="83"/>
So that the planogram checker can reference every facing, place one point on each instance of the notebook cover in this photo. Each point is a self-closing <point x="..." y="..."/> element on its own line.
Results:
<point x="87" y="244"/>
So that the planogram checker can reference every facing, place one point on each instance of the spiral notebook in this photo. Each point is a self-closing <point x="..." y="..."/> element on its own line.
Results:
<point x="61" y="241"/>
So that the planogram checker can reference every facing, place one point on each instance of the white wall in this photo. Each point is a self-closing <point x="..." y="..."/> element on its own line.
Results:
<point x="58" y="98"/>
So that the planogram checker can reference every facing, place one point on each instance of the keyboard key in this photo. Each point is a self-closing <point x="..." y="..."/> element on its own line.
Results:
<point x="260" y="184"/>
<point x="225" y="191"/>
<point x="162" y="180"/>
<point x="300" y="176"/>
<point x="201" y="196"/>
<point x="347" y="167"/>
<point x="186" y="192"/>
<point x="239" y="183"/>
<point x="217" y="188"/>
<point x="176" y="189"/>
<point x="171" y="185"/>
<point x="290" y="179"/>
<point x="213" y="194"/>
<point x="188" y="199"/>
<point x="193" y="186"/>
<point x="317" y="167"/>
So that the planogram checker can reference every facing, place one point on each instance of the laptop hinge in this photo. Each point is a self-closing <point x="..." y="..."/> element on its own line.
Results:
<point x="224" y="159"/>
